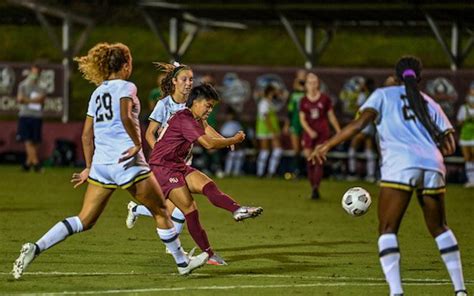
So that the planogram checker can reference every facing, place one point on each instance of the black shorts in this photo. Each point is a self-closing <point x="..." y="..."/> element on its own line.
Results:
<point x="29" y="129"/>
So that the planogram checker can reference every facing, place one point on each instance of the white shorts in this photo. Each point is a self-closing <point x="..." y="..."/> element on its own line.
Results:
<point x="121" y="175"/>
<point x="426" y="181"/>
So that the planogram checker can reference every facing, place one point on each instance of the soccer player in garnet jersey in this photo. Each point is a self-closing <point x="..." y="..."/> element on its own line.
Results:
<point x="315" y="115"/>
<point x="177" y="179"/>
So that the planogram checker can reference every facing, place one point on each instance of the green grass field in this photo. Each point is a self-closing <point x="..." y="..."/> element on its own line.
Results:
<point x="297" y="247"/>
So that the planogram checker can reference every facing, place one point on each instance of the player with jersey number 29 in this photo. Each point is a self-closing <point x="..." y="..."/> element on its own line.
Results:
<point x="114" y="158"/>
<point x="414" y="134"/>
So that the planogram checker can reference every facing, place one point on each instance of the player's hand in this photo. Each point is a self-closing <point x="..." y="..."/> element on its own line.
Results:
<point x="448" y="146"/>
<point x="313" y="134"/>
<point x="232" y="147"/>
<point x="239" y="137"/>
<point x="129" y="153"/>
<point x="318" y="155"/>
<point x="80" y="178"/>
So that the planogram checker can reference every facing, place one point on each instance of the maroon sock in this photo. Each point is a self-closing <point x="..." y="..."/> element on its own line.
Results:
<point x="310" y="171"/>
<point x="318" y="175"/>
<point x="218" y="198"/>
<point x="198" y="234"/>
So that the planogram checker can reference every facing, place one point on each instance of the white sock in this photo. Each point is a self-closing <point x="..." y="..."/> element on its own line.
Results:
<point x="141" y="210"/>
<point x="370" y="158"/>
<point x="238" y="162"/>
<point x="178" y="219"/>
<point x="351" y="160"/>
<point x="448" y="247"/>
<point x="171" y="240"/>
<point x="469" y="165"/>
<point x="390" y="260"/>
<point x="229" y="162"/>
<point x="59" y="232"/>
<point x="262" y="162"/>
<point x="274" y="161"/>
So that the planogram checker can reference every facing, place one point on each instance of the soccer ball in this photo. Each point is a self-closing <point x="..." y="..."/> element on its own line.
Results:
<point x="356" y="201"/>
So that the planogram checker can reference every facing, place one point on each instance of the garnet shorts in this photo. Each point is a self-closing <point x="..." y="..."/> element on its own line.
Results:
<point x="170" y="179"/>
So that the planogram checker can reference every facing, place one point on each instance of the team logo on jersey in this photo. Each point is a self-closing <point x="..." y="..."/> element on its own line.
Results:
<point x="173" y="180"/>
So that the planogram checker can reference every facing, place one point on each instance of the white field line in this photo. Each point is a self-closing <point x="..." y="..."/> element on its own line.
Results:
<point x="232" y="287"/>
<point x="334" y="278"/>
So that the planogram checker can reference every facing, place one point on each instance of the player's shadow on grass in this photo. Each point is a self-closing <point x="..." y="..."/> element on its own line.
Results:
<point x="293" y="245"/>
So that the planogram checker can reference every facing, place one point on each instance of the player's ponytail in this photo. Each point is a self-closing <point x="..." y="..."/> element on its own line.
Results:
<point x="408" y="70"/>
<point x="204" y="92"/>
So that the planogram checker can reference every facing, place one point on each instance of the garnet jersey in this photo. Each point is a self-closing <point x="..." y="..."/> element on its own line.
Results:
<point x="175" y="141"/>
<point x="316" y="113"/>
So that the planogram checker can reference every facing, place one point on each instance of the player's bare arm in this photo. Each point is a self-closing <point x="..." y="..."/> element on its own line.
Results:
<point x="126" y="105"/>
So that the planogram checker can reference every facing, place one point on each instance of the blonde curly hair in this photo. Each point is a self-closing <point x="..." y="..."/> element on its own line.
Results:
<point x="102" y="60"/>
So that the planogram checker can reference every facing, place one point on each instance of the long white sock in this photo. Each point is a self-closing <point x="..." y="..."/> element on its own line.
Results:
<point x="229" y="162"/>
<point x="171" y="240"/>
<point x="351" y="160"/>
<point x="448" y="247"/>
<point x="274" y="161"/>
<point x="239" y="159"/>
<point x="389" y="254"/>
<point x="262" y="162"/>
<point x="59" y="232"/>
<point x="470" y="171"/>
<point x="141" y="210"/>
<point x="370" y="165"/>
<point x="178" y="219"/>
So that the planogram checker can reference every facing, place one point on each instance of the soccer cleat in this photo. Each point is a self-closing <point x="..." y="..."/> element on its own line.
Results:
<point x="216" y="260"/>
<point x="243" y="213"/>
<point x="27" y="254"/>
<point x="194" y="262"/>
<point x="131" y="217"/>
<point x="460" y="293"/>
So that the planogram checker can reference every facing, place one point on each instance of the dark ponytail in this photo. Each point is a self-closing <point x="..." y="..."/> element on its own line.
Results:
<point x="203" y="91"/>
<point x="408" y="70"/>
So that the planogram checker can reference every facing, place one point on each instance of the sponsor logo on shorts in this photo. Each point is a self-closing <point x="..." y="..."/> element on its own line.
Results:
<point x="173" y="180"/>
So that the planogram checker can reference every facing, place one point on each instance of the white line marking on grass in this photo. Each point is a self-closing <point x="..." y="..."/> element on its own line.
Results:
<point x="243" y="275"/>
<point x="233" y="287"/>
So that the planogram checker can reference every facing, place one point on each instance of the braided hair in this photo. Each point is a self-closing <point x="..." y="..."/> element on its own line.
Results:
<point x="171" y="71"/>
<point x="408" y="70"/>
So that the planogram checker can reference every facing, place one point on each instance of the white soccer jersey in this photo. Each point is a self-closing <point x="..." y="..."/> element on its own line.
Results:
<point x="164" y="109"/>
<point x="404" y="141"/>
<point x="110" y="137"/>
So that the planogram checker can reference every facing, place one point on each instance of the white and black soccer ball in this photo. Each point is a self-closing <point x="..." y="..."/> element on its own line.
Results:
<point x="356" y="201"/>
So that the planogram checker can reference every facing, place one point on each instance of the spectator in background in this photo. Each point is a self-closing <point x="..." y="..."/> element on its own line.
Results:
<point x="316" y="112"/>
<point x="268" y="133"/>
<point x="465" y="119"/>
<point x="365" y="137"/>
<point x="31" y="98"/>
<point x="444" y="93"/>
<point x="293" y="124"/>
<point x="156" y="94"/>
<point x="234" y="160"/>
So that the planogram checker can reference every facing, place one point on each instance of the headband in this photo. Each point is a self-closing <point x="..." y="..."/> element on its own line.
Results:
<point x="408" y="72"/>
